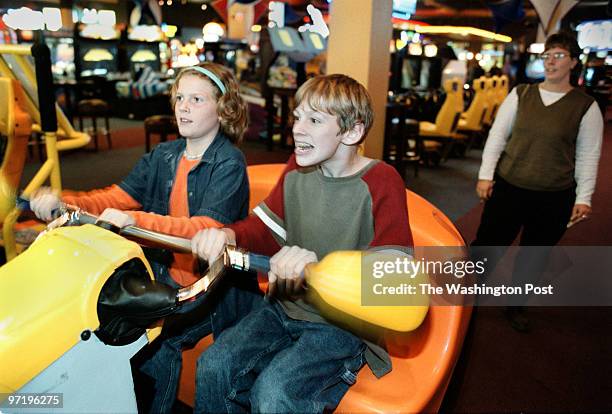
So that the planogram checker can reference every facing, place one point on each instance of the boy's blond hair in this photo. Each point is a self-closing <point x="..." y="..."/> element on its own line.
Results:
<point x="231" y="107"/>
<point x="341" y="96"/>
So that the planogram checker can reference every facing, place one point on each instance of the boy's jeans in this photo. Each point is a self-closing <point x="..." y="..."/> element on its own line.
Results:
<point x="271" y="363"/>
<point x="165" y="364"/>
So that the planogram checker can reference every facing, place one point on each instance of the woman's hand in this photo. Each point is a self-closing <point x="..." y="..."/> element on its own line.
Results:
<point x="208" y="244"/>
<point x="286" y="276"/>
<point x="484" y="189"/>
<point x="117" y="218"/>
<point x="579" y="212"/>
<point x="44" y="203"/>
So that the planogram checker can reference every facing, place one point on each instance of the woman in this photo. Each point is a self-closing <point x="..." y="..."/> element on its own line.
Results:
<point x="539" y="165"/>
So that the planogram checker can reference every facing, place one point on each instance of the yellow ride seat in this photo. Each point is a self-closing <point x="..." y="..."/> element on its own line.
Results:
<point x="492" y="99"/>
<point x="448" y="115"/>
<point x="471" y="120"/>
<point x="442" y="135"/>
<point x="503" y="88"/>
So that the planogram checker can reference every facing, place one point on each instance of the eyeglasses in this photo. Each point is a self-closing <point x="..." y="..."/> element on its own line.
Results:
<point x="556" y="56"/>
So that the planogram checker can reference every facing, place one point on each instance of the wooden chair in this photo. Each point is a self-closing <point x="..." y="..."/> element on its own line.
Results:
<point x="423" y="360"/>
<point x="94" y="109"/>
<point x="162" y="125"/>
<point x="402" y="144"/>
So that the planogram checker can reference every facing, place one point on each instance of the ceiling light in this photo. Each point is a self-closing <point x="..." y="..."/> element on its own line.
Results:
<point x="464" y="31"/>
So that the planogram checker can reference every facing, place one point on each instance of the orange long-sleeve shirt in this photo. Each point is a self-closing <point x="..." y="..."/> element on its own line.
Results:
<point x="177" y="223"/>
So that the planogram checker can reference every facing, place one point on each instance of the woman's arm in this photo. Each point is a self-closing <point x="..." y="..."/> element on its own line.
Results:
<point x="498" y="136"/>
<point x="588" y="151"/>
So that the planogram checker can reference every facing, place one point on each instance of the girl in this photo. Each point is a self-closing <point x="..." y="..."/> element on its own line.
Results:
<point x="180" y="187"/>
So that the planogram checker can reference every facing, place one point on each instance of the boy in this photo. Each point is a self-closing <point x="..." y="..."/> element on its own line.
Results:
<point x="284" y="356"/>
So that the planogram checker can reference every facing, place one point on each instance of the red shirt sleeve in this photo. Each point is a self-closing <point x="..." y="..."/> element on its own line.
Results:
<point x="252" y="233"/>
<point x="389" y="207"/>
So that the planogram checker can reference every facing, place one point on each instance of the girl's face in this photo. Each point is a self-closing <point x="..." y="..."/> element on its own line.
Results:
<point x="196" y="108"/>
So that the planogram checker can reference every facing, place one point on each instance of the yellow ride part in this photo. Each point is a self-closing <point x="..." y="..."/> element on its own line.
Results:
<point x="18" y="119"/>
<point x="49" y="296"/>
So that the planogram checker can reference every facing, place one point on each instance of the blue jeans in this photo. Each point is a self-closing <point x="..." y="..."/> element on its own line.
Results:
<point x="271" y="363"/>
<point x="164" y="366"/>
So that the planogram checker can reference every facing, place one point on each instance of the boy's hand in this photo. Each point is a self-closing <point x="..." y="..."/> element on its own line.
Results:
<point x="208" y="244"/>
<point x="44" y="202"/>
<point x="286" y="277"/>
<point x="117" y="218"/>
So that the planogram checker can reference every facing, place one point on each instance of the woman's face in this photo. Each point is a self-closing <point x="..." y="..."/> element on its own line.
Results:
<point x="195" y="108"/>
<point x="558" y="64"/>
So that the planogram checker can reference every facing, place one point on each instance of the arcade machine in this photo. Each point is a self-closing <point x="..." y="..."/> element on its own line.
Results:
<point x="298" y="48"/>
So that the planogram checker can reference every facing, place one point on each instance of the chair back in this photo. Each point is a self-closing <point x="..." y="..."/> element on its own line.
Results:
<point x="492" y="99"/>
<point x="448" y="116"/>
<point x="474" y="115"/>
<point x="502" y="92"/>
<point x="163" y="125"/>
<point x="395" y="118"/>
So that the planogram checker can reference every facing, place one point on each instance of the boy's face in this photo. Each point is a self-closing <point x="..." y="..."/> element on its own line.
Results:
<point x="196" y="108"/>
<point x="316" y="136"/>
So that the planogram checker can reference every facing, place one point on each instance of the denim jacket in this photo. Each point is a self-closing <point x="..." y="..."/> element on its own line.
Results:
<point x="217" y="186"/>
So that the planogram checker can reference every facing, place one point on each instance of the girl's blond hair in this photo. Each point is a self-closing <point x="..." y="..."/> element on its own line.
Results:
<point x="231" y="108"/>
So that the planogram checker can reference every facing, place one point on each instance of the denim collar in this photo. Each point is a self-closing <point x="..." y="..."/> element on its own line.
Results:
<point x="174" y="152"/>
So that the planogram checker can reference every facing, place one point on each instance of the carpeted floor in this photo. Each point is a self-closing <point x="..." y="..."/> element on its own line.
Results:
<point x="565" y="363"/>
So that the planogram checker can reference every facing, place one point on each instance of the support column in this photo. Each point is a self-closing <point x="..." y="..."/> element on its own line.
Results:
<point x="360" y="32"/>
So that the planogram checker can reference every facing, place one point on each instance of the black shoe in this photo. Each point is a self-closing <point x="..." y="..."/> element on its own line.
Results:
<point x="516" y="317"/>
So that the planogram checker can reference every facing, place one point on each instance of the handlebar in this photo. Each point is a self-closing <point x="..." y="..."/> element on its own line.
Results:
<point x="68" y="215"/>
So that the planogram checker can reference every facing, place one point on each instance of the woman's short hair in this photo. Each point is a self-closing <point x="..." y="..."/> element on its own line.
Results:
<point x="231" y="107"/>
<point x="564" y="40"/>
<point x="341" y="96"/>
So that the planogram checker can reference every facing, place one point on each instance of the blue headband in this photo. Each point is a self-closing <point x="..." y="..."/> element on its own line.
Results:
<point x="210" y="76"/>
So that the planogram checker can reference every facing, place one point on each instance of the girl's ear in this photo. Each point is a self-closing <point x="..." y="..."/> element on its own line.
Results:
<point x="354" y="135"/>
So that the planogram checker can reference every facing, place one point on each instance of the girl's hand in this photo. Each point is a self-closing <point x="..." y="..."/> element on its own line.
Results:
<point x="117" y="218"/>
<point x="208" y="244"/>
<point x="286" y="276"/>
<point x="44" y="202"/>
<point x="484" y="189"/>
